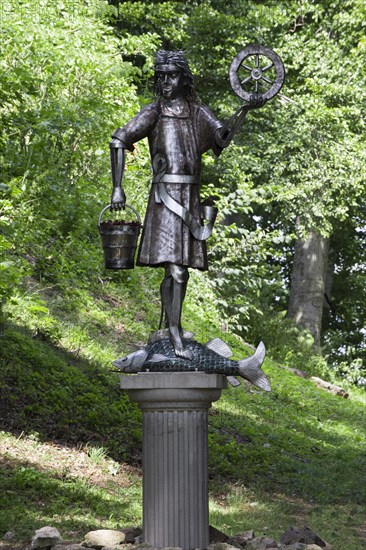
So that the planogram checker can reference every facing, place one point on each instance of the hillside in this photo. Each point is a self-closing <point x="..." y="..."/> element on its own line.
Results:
<point x="70" y="445"/>
<point x="70" y="442"/>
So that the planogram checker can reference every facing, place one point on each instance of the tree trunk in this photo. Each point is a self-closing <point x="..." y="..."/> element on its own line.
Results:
<point x="308" y="283"/>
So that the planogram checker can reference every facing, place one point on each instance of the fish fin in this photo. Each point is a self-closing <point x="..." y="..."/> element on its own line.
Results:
<point x="233" y="381"/>
<point x="158" y="335"/>
<point x="250" y="369"/>
<point x="218" y="346"/>
<point x="158" y="358"/>
<point x="188" y="335"/>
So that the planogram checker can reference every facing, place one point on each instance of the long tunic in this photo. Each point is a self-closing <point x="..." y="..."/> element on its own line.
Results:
<point x="176" y="146"/>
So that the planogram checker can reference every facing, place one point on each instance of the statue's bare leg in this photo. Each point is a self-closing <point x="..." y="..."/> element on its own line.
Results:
<point x="165" y="294"/>
<point x="173" y="290"/>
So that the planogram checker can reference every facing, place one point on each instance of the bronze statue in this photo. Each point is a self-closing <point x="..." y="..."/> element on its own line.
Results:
<point x="180" y="129"/>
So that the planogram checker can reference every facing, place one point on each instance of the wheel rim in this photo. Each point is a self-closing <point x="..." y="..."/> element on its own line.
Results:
<point x="248" y="75"/>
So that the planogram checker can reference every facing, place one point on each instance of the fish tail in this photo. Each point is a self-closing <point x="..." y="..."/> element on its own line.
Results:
<point x="250" y="369"/>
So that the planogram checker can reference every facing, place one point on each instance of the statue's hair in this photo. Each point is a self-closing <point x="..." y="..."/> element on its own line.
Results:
<point x="166" y="57"/>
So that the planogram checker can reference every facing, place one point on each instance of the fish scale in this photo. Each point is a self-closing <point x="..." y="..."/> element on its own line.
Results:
<point x="159" y="356"/>
<point x="203" y="359"/>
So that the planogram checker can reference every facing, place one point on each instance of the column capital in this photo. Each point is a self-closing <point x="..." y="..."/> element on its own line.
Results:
<point x="173" y="390"/>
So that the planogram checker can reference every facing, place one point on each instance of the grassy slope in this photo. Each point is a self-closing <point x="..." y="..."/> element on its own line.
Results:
<point x="70" y="443"/>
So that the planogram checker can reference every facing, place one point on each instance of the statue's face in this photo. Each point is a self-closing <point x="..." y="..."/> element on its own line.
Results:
<point x="170" y="81"/>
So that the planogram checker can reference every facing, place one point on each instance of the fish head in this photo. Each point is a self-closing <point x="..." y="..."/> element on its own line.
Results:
<point x="132" y="362"/>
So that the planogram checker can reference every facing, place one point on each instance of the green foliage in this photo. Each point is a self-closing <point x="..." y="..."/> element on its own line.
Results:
<point x="97" y="454"/>
<point x="302" y="156"/>
<point x="47" y="391"/>
<point x="345" y="319"/>
<point x="163" y="21"/>
<point x="63" y="90"/>
<point x="264" y="448"/>
<point x="290" y="345"/>
<point x="56" y="496"/>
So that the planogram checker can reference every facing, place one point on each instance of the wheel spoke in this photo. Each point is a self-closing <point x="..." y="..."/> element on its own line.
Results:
<point x="246" y="80"/>
<point x="267" y="80"/>
<point x="256" y="70"/>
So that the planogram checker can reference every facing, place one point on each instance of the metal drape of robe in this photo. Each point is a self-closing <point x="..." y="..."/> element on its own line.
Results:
<point x="176" y="143"/>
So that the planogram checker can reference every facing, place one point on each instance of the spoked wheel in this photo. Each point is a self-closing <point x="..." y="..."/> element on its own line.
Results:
<point x="256" y="70"/>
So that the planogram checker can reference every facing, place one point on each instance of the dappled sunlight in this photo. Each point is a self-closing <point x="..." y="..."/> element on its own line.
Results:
<point x="50" y="484"/>
<point x="96" y="327"/>
<point x="65" y="399"/>
<point x="67" y="462"/>
<point x="239" y="509"/>
<point x="290" y="437"/>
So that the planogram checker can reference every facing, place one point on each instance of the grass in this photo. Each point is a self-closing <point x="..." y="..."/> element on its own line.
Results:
<point x="70" y="445"/>
<point x="47" y="483"/>
<point x="295" y="456"/>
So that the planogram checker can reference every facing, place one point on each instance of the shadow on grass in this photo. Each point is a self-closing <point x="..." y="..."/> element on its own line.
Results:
<point x="297" y="441"/>
<point x="64" y="398"/>
<point x="33" y="498"/>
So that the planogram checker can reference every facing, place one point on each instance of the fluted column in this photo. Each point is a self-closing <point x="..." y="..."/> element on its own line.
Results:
<point x="174" y="452"/>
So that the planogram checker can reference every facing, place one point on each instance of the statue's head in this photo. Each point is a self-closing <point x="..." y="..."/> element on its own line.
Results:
<point x="173" y="77"/>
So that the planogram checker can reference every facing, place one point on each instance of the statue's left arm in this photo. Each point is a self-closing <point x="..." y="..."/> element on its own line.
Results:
<point x="226" y="133"/>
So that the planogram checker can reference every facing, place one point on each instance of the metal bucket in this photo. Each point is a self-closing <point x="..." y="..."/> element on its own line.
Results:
<point x="119" y="240"/>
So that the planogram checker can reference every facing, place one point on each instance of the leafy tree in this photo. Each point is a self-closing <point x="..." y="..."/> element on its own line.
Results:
<point x="64" y="88"/>
<point x="73" y="72"/>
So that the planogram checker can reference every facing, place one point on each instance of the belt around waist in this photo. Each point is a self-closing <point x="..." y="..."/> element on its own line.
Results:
<point x="177" y="178"/>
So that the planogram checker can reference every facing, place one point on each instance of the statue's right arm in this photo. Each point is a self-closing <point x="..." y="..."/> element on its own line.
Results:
<point x="118" y="156"/>
<point x="136" y="129"/>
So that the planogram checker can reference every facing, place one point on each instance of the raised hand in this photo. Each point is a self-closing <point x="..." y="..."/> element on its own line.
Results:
<point x="256" y="101"/>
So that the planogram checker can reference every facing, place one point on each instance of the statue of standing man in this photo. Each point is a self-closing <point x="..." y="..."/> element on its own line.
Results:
<point x="180" y="129"/>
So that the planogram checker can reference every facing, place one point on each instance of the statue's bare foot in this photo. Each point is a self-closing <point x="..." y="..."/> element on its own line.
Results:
<point x="179" y="349"/>
<point x="183" y="352"/>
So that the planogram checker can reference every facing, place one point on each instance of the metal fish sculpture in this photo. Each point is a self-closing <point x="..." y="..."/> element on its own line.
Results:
<point x="212" y="358"/>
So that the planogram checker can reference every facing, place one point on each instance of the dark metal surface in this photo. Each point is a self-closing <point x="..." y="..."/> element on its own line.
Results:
<point x="159" y="356"/>
<point x="256" y="70"/>
<point x="180" y="129"/>
<point x="119" y="240"/>
<point x="178" y="133"/>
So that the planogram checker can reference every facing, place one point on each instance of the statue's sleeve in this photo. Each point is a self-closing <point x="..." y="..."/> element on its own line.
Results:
<point x="208" y="125"/>
<point x="138" y="127"/>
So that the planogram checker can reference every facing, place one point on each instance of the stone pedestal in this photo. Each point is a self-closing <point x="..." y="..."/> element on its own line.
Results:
<point x="174" y="452"/>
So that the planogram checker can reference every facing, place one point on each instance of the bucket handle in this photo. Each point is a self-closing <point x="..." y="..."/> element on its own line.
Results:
<point x="126" y="206"/>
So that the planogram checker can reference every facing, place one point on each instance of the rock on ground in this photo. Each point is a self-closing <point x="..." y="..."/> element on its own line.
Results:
<point x="220" y="546"/>
<point x="131" y="534"/>
<point x="302" y="546"/>
<point x="215" y="535"/>
<point x="242" y="539"/>
<point x="303" y="535"/>
<point x="262" y="543"/>
<point x="46" y="537"/>
<point x="103" y="537"/>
